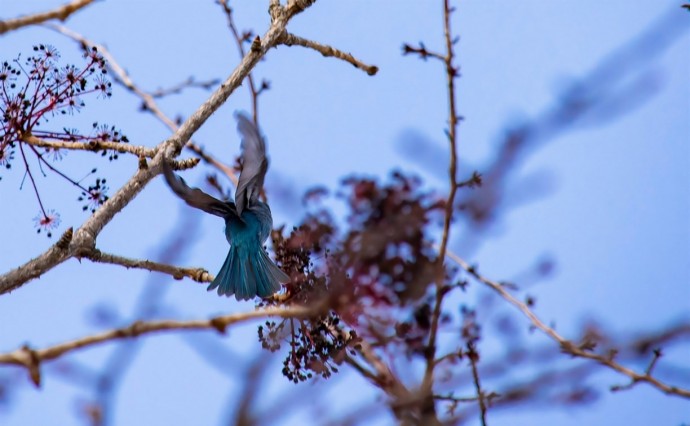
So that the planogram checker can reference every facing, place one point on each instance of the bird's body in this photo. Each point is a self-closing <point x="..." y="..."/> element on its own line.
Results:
<point x="247" y="270"/>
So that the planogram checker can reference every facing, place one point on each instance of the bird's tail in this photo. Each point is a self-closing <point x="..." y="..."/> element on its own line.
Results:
<point x="247" y="274"/>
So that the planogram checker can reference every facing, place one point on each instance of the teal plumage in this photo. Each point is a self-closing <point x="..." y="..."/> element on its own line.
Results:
<point x="247" y="271"/>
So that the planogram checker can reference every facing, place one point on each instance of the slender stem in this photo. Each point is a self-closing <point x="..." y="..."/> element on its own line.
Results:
<point x="58" y="172"/>
<point x="33" y="182"/>
<point x="473" y="356"/>
<point x="451" y="74"/>
<point x="238" y="40"/>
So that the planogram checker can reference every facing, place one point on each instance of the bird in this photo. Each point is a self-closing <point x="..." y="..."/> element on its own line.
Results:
<point x="248" y="271"/>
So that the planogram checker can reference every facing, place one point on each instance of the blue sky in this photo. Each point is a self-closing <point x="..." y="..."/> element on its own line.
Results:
<point x="616" y="218"/>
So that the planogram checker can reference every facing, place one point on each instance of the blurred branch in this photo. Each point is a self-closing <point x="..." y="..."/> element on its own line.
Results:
<point x="244" y="415"/>
<point x="671" y="334"/>
<point x="31" y="359"/>
<point x="456" y="398"/>
<point x="619" y="82"/>
<point x="550" y="388"/>
<point x="422" y="52"/>
<point x="567" y="346"/>
<point x="381" y="376"/>
<point x="62" y="13"/>
<point x="148" y="305"/>
<point x="188" y="83"/>
<point x="327" y="51"/>
<point x="474" y="357"/>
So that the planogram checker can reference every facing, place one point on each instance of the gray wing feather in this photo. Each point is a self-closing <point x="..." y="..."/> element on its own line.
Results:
<point x="196" y="197"/>
<point x="254" y="163"/>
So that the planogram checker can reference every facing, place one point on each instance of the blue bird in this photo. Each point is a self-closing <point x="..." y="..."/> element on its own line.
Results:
<point x="247" y="270"/>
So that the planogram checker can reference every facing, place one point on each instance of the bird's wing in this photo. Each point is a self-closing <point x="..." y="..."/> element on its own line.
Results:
<point x="196" y="197"/>
<point x="254" y="163"/>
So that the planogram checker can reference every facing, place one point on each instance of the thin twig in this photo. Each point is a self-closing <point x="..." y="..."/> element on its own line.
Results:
<point x="451" y="75"/>
<point x="566" y="345"/>
<point x="197" y="274"/>
<point x="452" y="398"/>
<point x="33" y="182"/>
<point x="474" y="357"/>
<point x="327" y="51"/>
<point x="253" y="92"/>
<point x="188" y="83"/>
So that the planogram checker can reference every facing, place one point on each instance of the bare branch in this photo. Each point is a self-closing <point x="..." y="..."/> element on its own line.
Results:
<point x="197" y="274"/>
<point x="31" y="359"/>
<point x="139" y="151"/>
<point x="422" y="52"/>
<point x="188" y="83"/>
<point x="62" y="13"/>
<point x="441" y="290"/>
<point x="566" y="345"/>
<point x="327" y="51"/>
<point x="451" y="75"/>
<point x="474" y="358"/>
<point x="239" y="39"/>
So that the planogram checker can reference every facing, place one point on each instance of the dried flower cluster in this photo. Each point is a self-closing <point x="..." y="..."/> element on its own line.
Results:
<point x="36" y="90"/>
<point x="372" y="281"/>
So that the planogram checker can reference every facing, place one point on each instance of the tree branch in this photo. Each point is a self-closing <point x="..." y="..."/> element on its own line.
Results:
<point x="474" y="358"/>
<point x="441" y="290"/>
<point x="327" y="51"/>
<point x="120" y="147"/>
<point x="253" y="92"/>
<point x="31" y="359"/>
<point x="37" y="266"/>
<point x="566" y="345"/>
<point x="84" y="238"/>
<point x="200" y="275"/>
<point x="148" y="102"/>
<point x="62" y="13"/>
<point x="178" y="88"/>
